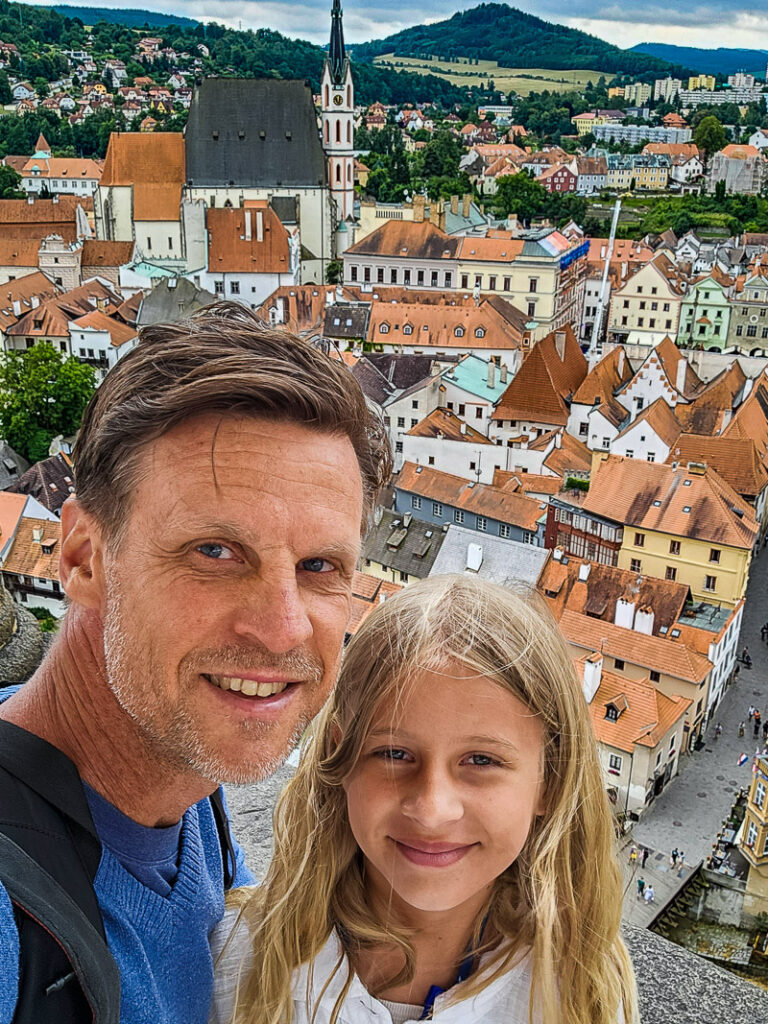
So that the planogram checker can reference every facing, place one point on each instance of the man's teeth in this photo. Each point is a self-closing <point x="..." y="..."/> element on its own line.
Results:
<point x="248" y="687"/>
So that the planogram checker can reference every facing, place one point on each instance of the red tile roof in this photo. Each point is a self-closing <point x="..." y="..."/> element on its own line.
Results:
<point x="546" y="381"/>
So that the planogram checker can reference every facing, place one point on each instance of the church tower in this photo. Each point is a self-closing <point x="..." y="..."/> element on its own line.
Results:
<point x="338" y="106"/>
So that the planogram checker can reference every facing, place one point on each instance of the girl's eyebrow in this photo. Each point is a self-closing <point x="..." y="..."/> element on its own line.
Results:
<point x="403" y="734"/>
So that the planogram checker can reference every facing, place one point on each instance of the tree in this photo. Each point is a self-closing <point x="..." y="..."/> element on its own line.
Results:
<point x="522" y="195"/>
<point x="41" y="87"/>
<point x="709" y="135"/>
<point x="41" y="395"/>
<point x="10" y="183"/>
<point x="6" y="96"/>
<point x="334" y="270"/>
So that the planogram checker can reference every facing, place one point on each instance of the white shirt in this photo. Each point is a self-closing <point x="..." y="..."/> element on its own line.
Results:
<point x="504" y="1001"/>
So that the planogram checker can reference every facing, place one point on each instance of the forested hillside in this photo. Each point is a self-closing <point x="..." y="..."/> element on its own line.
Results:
<point x="513" y="39"/>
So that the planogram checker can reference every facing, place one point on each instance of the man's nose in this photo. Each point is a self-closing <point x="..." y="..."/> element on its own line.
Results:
<point x="432" y="799"/>
<point x="274" y="613"/>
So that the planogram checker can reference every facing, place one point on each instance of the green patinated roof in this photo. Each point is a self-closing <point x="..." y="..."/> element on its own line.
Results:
<point x="471" y="375"/>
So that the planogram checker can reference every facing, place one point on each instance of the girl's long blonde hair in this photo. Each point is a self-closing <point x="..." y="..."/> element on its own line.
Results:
<point x="562" y="896"/>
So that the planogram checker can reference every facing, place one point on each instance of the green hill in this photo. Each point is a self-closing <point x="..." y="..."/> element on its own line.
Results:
<point x="721" y="61"/>
<point x="500" y="33"/>
<point x="131" y="17"/>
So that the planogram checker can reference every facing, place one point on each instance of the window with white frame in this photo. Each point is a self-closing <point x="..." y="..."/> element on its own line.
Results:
<point x="760" y="794"/>
<point x="415" y="502"/>
<point x="482" y="524"/>
<point x="437" y="509"/>
<point x="615" y="762"/>
<point x="504" y="530"/>
<point x="751" y="834"/>
<point x="458" y="515"/>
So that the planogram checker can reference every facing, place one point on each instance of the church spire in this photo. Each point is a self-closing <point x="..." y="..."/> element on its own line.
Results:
<point x="336" y="54"/>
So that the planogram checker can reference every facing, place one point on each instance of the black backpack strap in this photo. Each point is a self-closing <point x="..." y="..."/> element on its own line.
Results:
<point x="225" y="838"/>
<point x="43" y="809"/>
<point x="32" y="890"/>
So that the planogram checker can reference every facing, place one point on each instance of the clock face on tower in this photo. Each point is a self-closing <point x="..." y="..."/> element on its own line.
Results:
<point x="338" y="99"/>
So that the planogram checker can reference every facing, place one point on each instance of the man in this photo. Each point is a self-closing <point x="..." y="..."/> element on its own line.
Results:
<point x="223" y="475"/>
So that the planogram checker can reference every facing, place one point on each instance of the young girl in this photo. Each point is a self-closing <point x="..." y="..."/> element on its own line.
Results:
<point x="445" y="849"/>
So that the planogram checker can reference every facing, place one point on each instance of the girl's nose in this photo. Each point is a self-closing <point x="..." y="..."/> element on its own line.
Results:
<point x="432" y="800"/>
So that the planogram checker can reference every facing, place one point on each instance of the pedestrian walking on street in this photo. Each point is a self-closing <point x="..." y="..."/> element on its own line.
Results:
<point x="675" y="855"/>
<point x="681" y="857"/>
<point x="765" y="730"/>
<point x="741" y="728"/>
<point x="644" y="856"/>
<point x="633" y="856"/>
<point x="649" y="895"/>
<point x="640" y="887"/>
<point x="719" y="730"/>
<point x="758" y="716"/>
<point x="764" y="631"/>
<point x="751" y="713"/>
<point x="756" y="729"/>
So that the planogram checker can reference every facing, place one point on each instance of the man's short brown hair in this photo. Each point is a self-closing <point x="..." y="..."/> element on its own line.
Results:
<point x="222" y="359"/>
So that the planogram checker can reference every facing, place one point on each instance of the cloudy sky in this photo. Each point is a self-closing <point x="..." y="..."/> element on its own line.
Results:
<point x="707" y="23"/>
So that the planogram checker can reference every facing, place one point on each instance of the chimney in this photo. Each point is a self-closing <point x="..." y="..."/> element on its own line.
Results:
<point x="419" y="203"/>
<point x="557" y="554"/>
<point x="463" y="427"/>
<point x="474" y="557"/>
<point x="466" y="199"/>
<point x="593" y="671"/>
<point x="491" y="374"/>
<point x="247" y="225"/>
<point x="625" y="613"/>
<point x="259" y="225"/>
<point x="584" y="569"/>
<point x="16" y="307"/>
<point x="682" y="368"/>
<point x="31" y="200"/>
<point x="407" y="519"/>
<point x="644" y="620"/>
<point x="455" y="205"/>
<point x="559" y="439"/>
<point x="503" y="373"/>
<point x="621" y="361"/>
<point x="560" y="344"/>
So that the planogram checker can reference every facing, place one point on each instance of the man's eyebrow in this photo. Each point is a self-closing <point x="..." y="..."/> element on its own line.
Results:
<point x="223" y="528"/>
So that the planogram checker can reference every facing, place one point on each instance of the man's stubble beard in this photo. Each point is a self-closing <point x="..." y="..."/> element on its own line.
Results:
<point x="171" y="734"/>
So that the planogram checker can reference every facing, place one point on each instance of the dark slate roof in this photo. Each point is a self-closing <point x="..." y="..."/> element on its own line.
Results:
<point x="401" y="369"/>
<point x="50" y="481"/>
<point x="416" y="548"/>
<point x="286" y="209"/>
<point x="12" y="466"/>
<point x="374" y="384"/>
<point x="345" y="321"/>
<point x="256" y="132"/>
<point x="172" y="299"/>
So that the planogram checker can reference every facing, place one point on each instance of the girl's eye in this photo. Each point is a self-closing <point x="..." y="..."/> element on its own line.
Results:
<point x="217" y="552"/>
<point x="481" y="760"/>
<point x="391" y="754"/>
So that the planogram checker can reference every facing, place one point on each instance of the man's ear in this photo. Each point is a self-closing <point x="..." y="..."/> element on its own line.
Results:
<point x="80" y="562"/>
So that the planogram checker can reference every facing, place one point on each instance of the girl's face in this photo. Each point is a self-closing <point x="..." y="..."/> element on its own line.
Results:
<point x="447" y="785"/>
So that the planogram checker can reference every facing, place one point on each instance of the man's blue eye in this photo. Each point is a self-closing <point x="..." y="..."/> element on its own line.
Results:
<point x="315" y="565"/>
<point x="214" y="550"/>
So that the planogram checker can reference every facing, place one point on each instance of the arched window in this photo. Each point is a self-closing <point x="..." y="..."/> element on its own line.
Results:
<point x="459" y="332"/>
<point x="338" y="172"/>
<point x="338" y="130"/>
<point x="327" y="97"/>
<point x="349" y="172"/>
<point x="349" y="131"/>
<point x="384" y="329"/>
<point x="327" y="132"/>
<point x="349" y="95"/>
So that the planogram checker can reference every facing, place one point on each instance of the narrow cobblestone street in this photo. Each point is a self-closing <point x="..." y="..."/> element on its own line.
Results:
<point x="689" y="813"/>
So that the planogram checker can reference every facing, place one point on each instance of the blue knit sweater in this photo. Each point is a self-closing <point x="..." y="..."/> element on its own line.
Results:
<point x="161" y="944"/>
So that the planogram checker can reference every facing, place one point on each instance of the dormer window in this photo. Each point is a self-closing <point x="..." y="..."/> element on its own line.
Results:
<point x="611" y="712"/>
<point x="407" y="329"/>
<point x="480" y="332"/>
<point x="458" y="332"/>
<point x="384" y="329"/>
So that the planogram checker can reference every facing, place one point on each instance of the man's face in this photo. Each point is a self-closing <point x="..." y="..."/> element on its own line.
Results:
<point x="228" y="594"/>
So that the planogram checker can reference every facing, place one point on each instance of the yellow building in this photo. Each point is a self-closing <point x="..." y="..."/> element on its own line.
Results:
<point x="681" y="523"/>
<point x="701" y="82"/>
<point x="753" y="840"/>
<point x="589" y="119"/>
<point x="544" y="278"/>
<point x="616" y="90"/>
<point x="651" y="172"/>
<point x="646" y="308"/>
